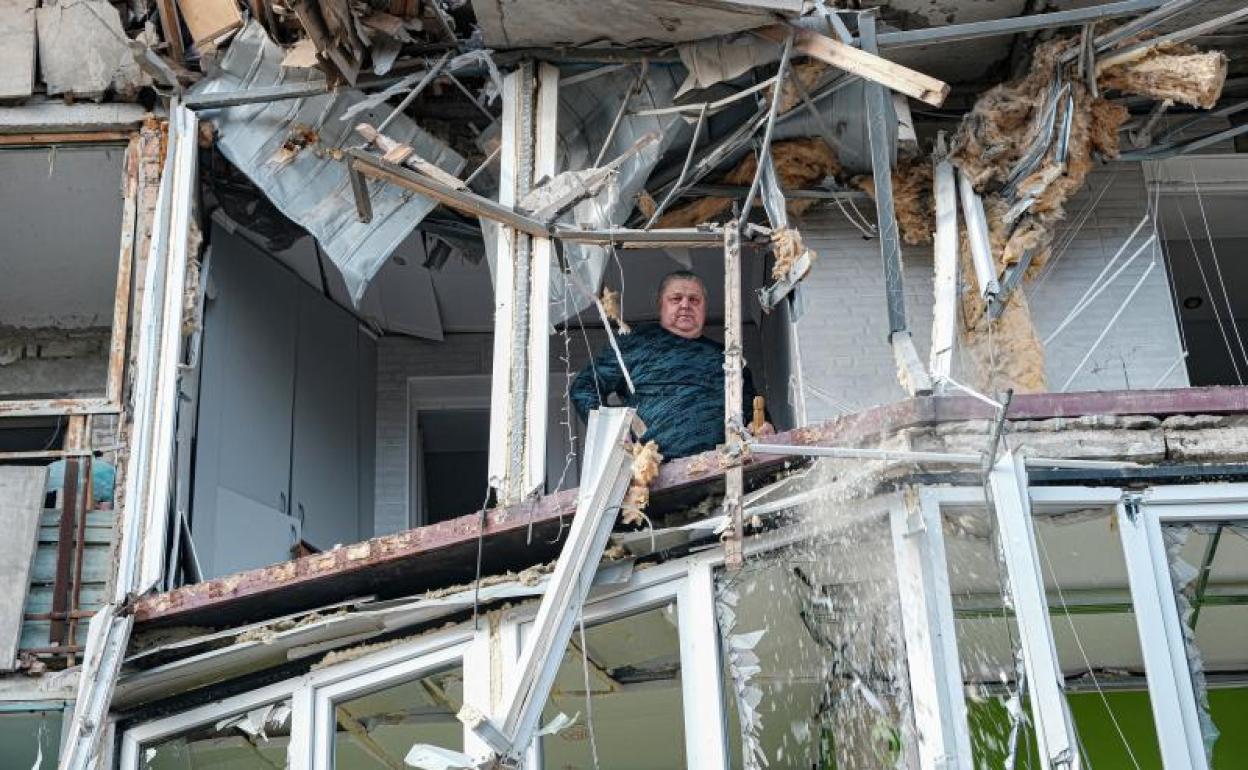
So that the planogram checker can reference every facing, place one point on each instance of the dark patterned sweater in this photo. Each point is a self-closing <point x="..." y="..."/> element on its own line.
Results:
<point x="679" y="384"/>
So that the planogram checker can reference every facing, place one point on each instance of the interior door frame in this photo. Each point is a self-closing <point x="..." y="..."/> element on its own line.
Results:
<point x="461" y="392"/>
<point x="435" y="394"/>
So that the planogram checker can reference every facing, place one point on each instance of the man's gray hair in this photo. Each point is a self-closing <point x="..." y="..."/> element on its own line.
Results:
<point x="678" y="275"/>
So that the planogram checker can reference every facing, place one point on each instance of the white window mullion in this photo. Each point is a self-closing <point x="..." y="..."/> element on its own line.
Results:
<point x="299" y="749"/>
<point x="1161" y="638"/>
<point x="931" y="643"/>
<point x="701" y="679"/>
<point x="1055" y="730"/>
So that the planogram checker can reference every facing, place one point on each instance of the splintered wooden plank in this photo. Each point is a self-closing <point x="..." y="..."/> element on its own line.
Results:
<point x="17" y="52"/>
<point x="21" y="503"/>
<point x="209" y="19"/>
<point x="865" y="65"/>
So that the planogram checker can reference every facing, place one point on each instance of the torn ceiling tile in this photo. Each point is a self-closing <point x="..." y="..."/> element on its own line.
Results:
<point x="291" y="150"/>
<point x="84" y="52"/>
<point x="509" y="23"/>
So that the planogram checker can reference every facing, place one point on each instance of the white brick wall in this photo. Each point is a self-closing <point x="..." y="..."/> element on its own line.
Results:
<point x="399" y="358"/>
<point x="843" y="332"/>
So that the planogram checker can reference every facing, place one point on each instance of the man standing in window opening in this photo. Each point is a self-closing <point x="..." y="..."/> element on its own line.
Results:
<point x="678" y="374"/>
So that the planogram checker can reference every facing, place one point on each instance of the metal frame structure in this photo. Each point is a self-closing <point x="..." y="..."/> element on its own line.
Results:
<point x="145" y="508"/>
<point x="492" y="652"/>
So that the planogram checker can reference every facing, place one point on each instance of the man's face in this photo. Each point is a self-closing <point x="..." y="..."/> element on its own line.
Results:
<point x="682" y="308"/>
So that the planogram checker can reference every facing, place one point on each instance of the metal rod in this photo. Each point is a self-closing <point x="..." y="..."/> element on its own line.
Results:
<point x="734" y="477"/>
<point x="64" y="546"/>
<point x="484" y="165"/>
<point x="684" y="171"/>
<point x="619" y="115"/>
<point x="1011" y="26"/>
<point x="1147" y="21"/>
<point x="739" y="191"/>
<point x="882" y="170"/>
<point x="765" y="149"/>
<point x="1174" y="150"/>
<point x="80" y="545"/>
<point x="1140" y="49"/>
<point x="1206" y="568"/>
<point x="415" y="92"/>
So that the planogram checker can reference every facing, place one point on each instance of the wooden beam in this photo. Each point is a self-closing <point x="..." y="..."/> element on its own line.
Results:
<point x="77" y="137"/>
<point x="865" y="65"/>
<point x="171" y="28"/>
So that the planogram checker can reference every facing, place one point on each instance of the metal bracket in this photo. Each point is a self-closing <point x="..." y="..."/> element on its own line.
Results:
<point x="770" y="296"/>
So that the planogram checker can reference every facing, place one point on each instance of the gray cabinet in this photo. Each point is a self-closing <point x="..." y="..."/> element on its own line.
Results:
<point x="279" y="449"/>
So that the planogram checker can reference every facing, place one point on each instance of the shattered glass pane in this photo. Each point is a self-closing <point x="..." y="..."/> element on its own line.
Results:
<point x="377" y="730"/>
<point x="1209" y="571"/>
<point x="631" y="715"/>
<point x="1094" y="630"/>
<point x="253" y="740"/>
<point x="813" y="655"/>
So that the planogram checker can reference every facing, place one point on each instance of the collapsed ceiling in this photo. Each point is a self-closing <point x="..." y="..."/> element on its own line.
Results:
<point x="291" y="88"/>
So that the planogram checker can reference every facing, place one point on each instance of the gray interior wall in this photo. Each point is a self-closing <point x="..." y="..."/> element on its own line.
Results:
<point x="284" y="443"/>
<point x="848" y="364"/>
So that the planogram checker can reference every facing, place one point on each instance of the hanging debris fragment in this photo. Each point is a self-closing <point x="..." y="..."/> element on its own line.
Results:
<point x="799" y="164"/>
<point x="1027" y="146"/>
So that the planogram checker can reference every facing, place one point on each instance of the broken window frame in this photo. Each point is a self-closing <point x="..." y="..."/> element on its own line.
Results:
<point x="689" y="584"/>
<point x="371" y="673"/>
<point x="1141" y="518"/>
<point x="491" y="652"/>
<point x="131" y="231"/>
<point x="138" y="738"/>
<point x="312" y="697"/>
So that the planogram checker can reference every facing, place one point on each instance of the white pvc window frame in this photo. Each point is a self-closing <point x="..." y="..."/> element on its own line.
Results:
<point x="1171" y="691"/>
<point x="311" y="698"/>
<point x="490" y="653"/>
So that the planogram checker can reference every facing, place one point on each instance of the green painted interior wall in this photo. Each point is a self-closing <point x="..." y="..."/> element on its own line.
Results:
<point x="1229" y="706"/>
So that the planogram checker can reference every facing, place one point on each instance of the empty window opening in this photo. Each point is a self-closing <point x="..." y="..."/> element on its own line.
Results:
<point x="57" y="294"/>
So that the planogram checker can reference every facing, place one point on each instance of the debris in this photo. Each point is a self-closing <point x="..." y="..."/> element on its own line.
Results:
<point x="313" y="188"/>
<point x="519" y="23"/>
<point x="913" y="199"/>
<point x="210" y="19"/>
<point x="301" y="55"/>
<point x="1178" y="73"/>
<point x="646" y="460"/>
<point x="868" y="66"/>
<point x="611" y="306"/>
<point x="403" y="155"/>
<point x="17" y="55"/>
<point x="428" y="757"/>
<point x="799" y="163"/>
<point x="84" y="52"/>
<point x="787" y="247"/>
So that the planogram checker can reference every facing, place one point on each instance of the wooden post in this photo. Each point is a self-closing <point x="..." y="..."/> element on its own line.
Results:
<point x="734" y="479"/>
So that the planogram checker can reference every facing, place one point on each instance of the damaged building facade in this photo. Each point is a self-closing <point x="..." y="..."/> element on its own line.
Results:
<point x="293" y="292"/>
